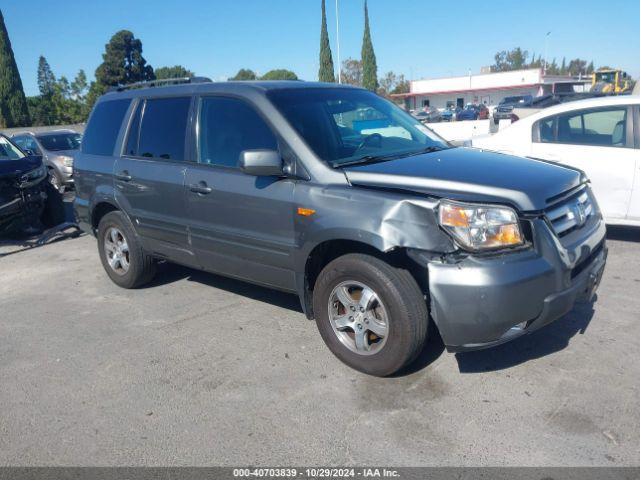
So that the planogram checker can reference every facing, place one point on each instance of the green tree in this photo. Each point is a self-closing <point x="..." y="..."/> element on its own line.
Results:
<point x="14" y="111"/>
<point x="279" y="74"/>
<point x="177" y="71"/>
<point x="393" y="84"/>
<point x="369" y="66"/>
<point x="123" y="62"/>
<point x="326" y="73"/>
<point x="244" y="74"/>
<point x="507" y="60"/>
<point x="563" y="66"/>
<point x="45" y="113"/>
<point x="46" y="78"/>
<point x="402" y="85"/>
<point x="351" y="72"/>
<point x="590" y="68"/>
<point x="577" y="66"/>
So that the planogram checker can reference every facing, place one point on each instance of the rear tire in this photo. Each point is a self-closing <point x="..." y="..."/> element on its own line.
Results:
<point x="127" y="265"/>
<point x="397" y="295"/>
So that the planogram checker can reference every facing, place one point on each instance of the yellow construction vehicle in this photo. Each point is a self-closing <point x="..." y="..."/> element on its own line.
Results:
<point x="610" y="81"/>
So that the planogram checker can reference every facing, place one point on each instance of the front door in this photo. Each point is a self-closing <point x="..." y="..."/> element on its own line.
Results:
<point x="239" y="225"/>
<point x="599" y="142"/>
<point x="149" y="177"/>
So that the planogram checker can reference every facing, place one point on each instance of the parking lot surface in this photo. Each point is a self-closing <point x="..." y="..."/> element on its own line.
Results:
<point x="197" y="369"/>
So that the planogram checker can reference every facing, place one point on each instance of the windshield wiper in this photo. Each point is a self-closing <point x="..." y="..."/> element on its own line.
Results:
<point x="431" y="149"/>
<point x="384" y="158"/>
<point x="365" y="159"/>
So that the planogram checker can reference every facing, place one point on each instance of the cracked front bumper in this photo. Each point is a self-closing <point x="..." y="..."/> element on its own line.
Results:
<point x="482" y="301"/>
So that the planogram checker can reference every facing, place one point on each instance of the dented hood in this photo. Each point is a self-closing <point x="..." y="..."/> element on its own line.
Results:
<point x="471" y="175"/>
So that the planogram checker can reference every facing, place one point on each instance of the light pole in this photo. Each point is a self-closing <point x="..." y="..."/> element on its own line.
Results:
<point x="338" y="42"/>
<point x="546" y="46"/>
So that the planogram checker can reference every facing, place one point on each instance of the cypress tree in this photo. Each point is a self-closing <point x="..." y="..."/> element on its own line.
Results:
<point x="44" y="114"/>
<point x="325" y="74"/>
<point x="369" y="66"/>
<point x="13" y="104"/>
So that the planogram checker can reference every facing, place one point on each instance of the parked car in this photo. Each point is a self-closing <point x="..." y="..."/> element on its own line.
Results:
<point x="470" y="112"/>
<point x="449" y="114"/>
<point x="504" y="110"/>
<point x="377" y="232"/>
<point x="599" y="136"/>
<point x="22" y="192"/>
<point x="58" y="149"/>
<point x="483" y="112"/>
<point x="429" y="115"/>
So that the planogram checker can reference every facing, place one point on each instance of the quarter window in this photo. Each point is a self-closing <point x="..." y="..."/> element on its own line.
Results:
<point x="104" y="126"/>
<point x="163" y="128"/>
<point x="227" y="127"/>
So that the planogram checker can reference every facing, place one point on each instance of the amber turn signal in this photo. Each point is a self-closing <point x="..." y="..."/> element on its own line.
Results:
<point x="306" y="212"/>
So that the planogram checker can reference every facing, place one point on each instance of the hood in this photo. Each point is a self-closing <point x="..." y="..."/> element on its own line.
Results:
<point x="471" y="175"/>
<point x="15" y="168"/>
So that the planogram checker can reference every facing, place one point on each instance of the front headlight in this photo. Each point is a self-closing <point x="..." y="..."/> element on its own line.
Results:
<point x="480" y="227"/>
<point x="67" y="161"/>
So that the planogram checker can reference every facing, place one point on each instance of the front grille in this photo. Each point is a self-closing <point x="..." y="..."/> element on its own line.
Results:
<point x="571" y="214"/>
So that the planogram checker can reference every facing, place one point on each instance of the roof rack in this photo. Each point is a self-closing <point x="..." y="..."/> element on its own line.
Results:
<point x="160" y="83"/>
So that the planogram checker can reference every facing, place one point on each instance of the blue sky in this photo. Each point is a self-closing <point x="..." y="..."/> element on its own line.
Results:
<point x="419" y="38"/>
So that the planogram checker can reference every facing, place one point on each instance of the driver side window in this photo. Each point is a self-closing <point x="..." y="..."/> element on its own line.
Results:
<point x="228" y="126"/>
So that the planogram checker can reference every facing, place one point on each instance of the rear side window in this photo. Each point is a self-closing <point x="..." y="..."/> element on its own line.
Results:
<point x="163" y="128"/>
<point x="104" y="125"/>
<point x="600" y="127"/>
<point x="227" y="127"/>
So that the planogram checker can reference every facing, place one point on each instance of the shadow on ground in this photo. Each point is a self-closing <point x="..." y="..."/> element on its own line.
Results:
<point x="625" y="234"/>
<point x="549" y="339"/>
<point x="170" y="273"/>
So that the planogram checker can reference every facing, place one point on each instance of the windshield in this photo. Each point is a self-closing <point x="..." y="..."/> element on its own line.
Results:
<point x="348" y="125"/>
<point x="8" y="151"/>
<point x="60" y="141"/>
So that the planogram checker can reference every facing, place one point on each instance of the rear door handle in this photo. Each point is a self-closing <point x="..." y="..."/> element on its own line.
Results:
<point x="200" y="188"/>
<point x="123" y="176"/>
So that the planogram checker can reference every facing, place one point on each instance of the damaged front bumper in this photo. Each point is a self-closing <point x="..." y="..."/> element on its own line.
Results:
<point x="21" y="202"/>
<point x="478" y="301"/>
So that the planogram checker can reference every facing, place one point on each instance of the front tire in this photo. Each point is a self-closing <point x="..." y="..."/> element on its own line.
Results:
<point x="372" y="316"/>
<point x="127" y="265"/>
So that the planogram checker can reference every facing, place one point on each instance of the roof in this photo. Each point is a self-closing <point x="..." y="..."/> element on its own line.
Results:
<point x="240" y="87"/>
<point x="587" y="103"/>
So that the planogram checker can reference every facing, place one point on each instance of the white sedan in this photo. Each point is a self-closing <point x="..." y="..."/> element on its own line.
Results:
<point x="600" y="136"/>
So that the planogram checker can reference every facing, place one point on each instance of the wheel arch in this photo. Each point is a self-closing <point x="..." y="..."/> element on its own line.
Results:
<point x="328" y="250"/>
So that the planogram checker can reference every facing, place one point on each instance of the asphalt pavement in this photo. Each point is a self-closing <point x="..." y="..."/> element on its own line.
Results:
<point x="197" y="369"/>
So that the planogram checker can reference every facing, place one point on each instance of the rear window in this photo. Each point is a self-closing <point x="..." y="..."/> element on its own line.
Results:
<point x="62" y="141"/>
<point x="104" y="125"/>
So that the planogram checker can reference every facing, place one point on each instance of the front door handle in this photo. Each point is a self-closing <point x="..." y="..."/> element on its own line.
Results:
<point x="123" y="176"/>
<point x="201" y="188"/>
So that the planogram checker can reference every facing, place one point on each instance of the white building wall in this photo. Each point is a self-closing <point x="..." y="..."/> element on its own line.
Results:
<point x="489" y="88"/>
<point x="488" y="97"/>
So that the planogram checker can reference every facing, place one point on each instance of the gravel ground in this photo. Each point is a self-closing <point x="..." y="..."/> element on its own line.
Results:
<point x="201" y="370"/>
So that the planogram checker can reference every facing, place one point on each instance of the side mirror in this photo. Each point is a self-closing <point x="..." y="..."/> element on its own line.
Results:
<point x="261" y="163"/>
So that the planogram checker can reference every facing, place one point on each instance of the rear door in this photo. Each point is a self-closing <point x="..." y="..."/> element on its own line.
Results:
<point x="598" y="141"/>
<point x="149" y="176"/>
<point x="240" y="225"/>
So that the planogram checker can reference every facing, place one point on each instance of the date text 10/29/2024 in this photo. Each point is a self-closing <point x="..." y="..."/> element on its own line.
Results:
<point x="318" y="472"/>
